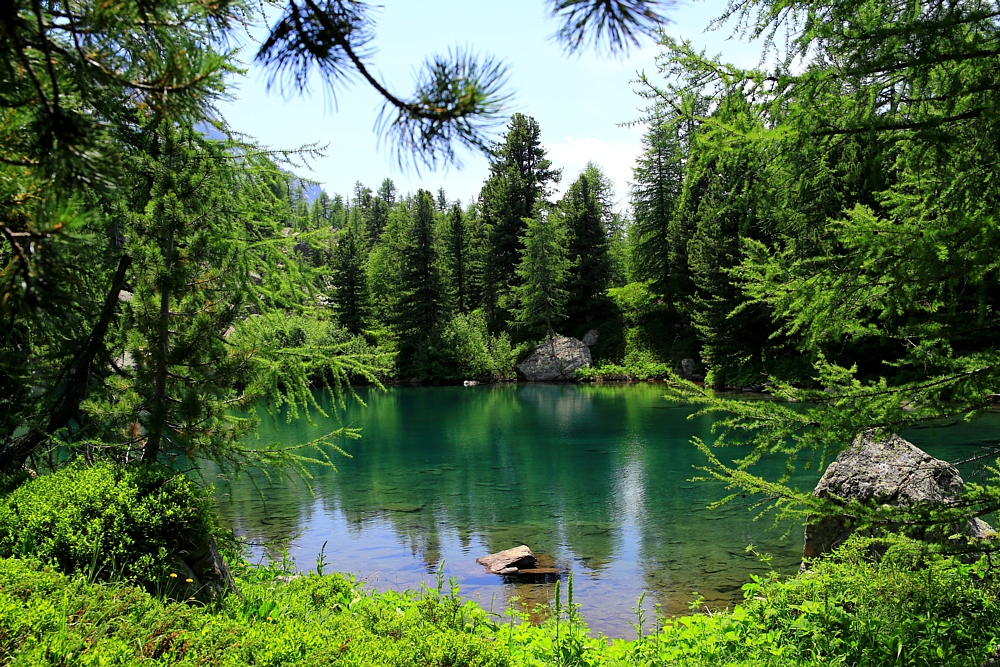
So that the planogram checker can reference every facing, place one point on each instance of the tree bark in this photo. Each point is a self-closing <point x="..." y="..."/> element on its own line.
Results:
<point x="78" y="372"/>
<point x="158" y="409"/>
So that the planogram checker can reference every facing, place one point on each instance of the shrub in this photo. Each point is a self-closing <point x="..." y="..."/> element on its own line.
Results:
<point x="465" y="350"/>
<point x="106" y="520"/>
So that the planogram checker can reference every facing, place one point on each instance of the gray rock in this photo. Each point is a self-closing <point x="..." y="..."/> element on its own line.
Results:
<point x="888" y="471"/>
<point x="471" y="383"/>
<point x="591" y="337"/>
<point x="509" y="561"/>
<point x="555" y="359"/>
<point x="202" y="573"/>
<point x="687" y="367"/>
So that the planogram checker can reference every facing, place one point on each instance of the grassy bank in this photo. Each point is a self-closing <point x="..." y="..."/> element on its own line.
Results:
<point x="909" y="608"/>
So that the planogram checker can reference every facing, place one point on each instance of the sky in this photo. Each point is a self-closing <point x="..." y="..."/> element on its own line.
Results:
<point x="579" y="101"/>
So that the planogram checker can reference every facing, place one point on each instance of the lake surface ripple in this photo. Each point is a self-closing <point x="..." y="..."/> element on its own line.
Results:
<point x="596" y="477"/>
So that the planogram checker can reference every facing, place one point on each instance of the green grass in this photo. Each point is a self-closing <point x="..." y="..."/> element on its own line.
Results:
<point x="906" y="608"/>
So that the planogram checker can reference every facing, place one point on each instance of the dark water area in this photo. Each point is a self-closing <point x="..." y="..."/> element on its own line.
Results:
<point x="595" y="477"/>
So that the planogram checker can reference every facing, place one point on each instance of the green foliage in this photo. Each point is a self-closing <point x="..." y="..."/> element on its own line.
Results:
<point x="906" y="608"/>
<point x="544" y="271"/>
<point x="105" y="521"/>
<point x="520" y="179"/>
<point x="843" y="228"/>
<point x="588" y="249"/>
<point x="421" y="302"/>
<point x="467" y="351"/>
<point x="349" y="278"/>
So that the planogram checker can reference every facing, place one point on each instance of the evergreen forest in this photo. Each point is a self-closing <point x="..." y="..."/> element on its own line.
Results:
<point x="819" y="229"/>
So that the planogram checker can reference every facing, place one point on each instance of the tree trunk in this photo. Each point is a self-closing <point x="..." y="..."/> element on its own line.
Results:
<point x="78" y="372"/>
<point x="158" y="409"/>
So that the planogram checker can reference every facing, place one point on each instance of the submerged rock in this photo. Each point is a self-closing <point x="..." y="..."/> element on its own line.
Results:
<point x="887" y="471"/>
<point x="509" y="561"/>
<point x="555" y="359"/>
<point x="406" y="508"/>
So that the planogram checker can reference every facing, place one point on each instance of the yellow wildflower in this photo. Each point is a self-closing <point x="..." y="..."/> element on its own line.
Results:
<point x="173" y="575"/>
<point x="190" y="581"/>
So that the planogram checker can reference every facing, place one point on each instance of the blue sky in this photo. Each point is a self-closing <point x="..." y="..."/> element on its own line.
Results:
<point x="578" y="100"/>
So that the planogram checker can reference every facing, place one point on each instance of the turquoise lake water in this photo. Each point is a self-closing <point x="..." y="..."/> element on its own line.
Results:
<point x="594" y="477"/>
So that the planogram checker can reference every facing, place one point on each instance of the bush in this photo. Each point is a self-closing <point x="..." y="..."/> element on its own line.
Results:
<point x="106" y="520"/>
<point x="465" y="350"/>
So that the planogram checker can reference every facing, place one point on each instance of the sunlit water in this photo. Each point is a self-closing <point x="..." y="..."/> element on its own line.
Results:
<point x="597" y="477"/>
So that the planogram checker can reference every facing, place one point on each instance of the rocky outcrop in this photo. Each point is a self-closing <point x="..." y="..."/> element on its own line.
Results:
<point x="201" y="572"/>
<point x="591" y="337"/>
<point x="884" y="471"/>
<point x="509" y="561"/>
<point x="555" y="359"/>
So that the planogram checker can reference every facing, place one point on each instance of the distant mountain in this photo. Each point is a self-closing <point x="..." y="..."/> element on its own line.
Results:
<point x="310" y="189"/>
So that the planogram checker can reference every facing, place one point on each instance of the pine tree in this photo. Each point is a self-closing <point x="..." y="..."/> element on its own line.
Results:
<point x="544" y="270"/>
<point x="455" y="259"/>
<point x="588" y="249"/>
<point x="422" y="298"/>
<point x="321" y="213"/>
<point x="191" y="280"/>
<point x="659" y="252"/>
<point x="350" y="281"/>
<point x="520" y="178"/>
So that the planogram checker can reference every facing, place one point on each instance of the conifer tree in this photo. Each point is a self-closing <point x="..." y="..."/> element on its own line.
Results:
<point x="544" y="270"/>
<point x="387" y="192"/>
<point x="350" y="281"/>
<point x="321" y="213"/>
<point x="422" y="301"/>
<point x="520" y="178"/>
<point x="455" y="256"/>
<point x="588" y="249"/>
<point x="191" y="281"/>
<point x="659" y="250"/>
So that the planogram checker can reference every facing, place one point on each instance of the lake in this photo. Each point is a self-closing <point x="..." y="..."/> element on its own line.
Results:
<point x="596" y="477"/>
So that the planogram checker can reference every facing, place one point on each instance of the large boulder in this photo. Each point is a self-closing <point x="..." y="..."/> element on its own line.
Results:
<point x="555" y="359"/>
<point x="884" y="471"/>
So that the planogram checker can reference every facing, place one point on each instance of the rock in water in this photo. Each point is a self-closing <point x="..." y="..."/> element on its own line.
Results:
<point x="890" y="471"/>
<point x="687" y="367"/>
<point x="555" y="359"/>
<point x="591" y="337"/>
<point x="509" y="561"/>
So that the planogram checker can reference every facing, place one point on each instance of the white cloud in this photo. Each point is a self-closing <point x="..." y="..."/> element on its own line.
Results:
<point x="615" y="159"/>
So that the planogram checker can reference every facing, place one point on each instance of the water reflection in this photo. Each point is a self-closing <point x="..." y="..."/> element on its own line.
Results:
<point x="595" y="477"/>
